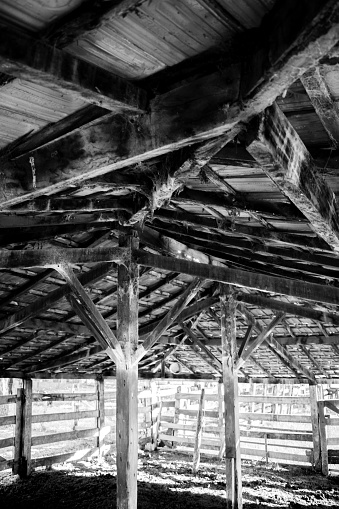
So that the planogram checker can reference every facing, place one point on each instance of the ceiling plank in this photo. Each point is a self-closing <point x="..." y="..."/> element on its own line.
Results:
<point x="275" y="144"/>
<point x="37" y="62"/>
<point x="214" y="105"/>
<point x="86" y="18"/>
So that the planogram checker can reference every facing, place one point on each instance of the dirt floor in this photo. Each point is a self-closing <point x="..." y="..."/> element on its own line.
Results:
<point x="166" y="481"/>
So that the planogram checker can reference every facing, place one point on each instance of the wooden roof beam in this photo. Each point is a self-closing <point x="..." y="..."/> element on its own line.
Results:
<point x="252" y="280"/>
<point x="255" y="343"/>
<point x="90" y="315"/>
<point x="37" y="62"/>
<point x="215" y="105"/>
<point x="284" y="158"/>
<point x="168" y="319"/>
<point x="45" y="302"/>
<point x="324" y="105"/>
<point x="278" y="349"/>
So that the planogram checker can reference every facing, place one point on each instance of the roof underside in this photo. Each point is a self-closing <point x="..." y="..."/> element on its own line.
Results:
<point x="211" y="127"/>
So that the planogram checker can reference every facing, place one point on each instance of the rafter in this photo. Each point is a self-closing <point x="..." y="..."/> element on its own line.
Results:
<point x="252" y="280"/>
<point x="215" y="105"/>
<point x="255" y="343"/>
<point x="227" y="228"/>
<point x="284" y="158"/>
<point x="326" y="108"/>
<point x="90" y="315"/>
<point x="45" y="302"/>
<point x="279" y="350"/>
<point x="216" y="363"/>
<point x="168" y="319"/>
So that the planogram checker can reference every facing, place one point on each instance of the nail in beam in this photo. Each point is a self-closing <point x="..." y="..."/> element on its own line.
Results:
<point x="230" y="379"/>
<point x="127" y="382"/>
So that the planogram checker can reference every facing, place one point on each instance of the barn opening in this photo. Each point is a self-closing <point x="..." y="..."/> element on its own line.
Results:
<point x="168" y="216"/>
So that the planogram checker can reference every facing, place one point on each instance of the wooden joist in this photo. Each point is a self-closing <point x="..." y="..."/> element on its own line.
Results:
<point x="326" y="108"/>
<point x="27" y="58"/>
<point x="262" y="282"/>
<point x="45" y="302"/>
<point x="278" y="148"/>
<point x="214" y="105"/>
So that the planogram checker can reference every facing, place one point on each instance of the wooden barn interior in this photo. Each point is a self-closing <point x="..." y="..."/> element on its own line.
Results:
<point x="168" y="191"/>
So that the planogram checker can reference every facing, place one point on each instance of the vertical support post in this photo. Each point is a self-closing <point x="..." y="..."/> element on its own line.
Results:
<point x="23" y="430"/>
<point x="127" y="381"/>
<point x="101" y="413"/>
<point x="232" y="432"/>
<point x="323" y="438"/>
<point x="221" y="420"/>
<point x="266" y="448"/>
<point x="315" y="427"/>
<point x="154" y="400"/>
<point x="198" y="434"/>
<point x="176" y="413"/>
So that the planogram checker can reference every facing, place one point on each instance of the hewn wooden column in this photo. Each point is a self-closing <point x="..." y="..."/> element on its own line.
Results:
<point x="323" y="438"/>
<point x="315" y="427"/>
<point x="127" y="382"/>
<point x="23" y="430"/>
<point x="232" y="433"/>
<point x="101" y="413"/>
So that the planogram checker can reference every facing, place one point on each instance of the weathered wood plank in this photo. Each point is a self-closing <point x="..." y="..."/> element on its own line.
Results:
<point x="198" y="434"/>
<point x="53" y="257"/>
<point x="127" y="379"/>
<point x="232" y="433"/>
<point x="284" y="158"/>
<point x="315" y="426"/>
<point x="199" y="110"/>
<point x="168" y="319"/>
<point x="27" y="58"/>
<point x="90" y="315"/>
<point x="271" y="284"/>
<point x="45" y="302"/>
<point x="323" y="438"/>
<point x="253" y="345"/>
<point x="326" y="108"/>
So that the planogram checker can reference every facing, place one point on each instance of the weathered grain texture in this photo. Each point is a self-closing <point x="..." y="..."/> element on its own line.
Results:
<point x="23" y="430"/>
<point x="198" y="433"/>
<point x="258" y="340"/>
<point x="284" y="158"/>
<point x="45" y="302"/>
<point x="90" y="315"/>
<point x="326" y="108"/>
<point x="127" y="379"/>
<point x="53" y="257"/>
<point x="323" y="438"/>
<point x="35" y="61"/>
<point x="205" y="108"/>
<point x="271" y="284"/>
<point x="315" y="426"/>
<point x="168" y="319"/>
<point x="232" y="432"/>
